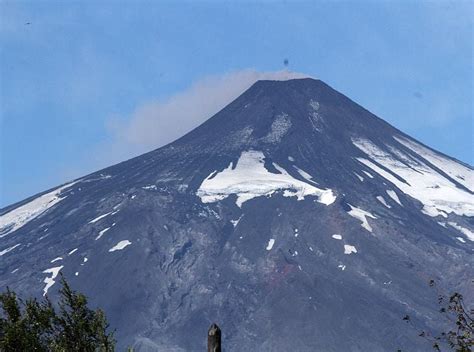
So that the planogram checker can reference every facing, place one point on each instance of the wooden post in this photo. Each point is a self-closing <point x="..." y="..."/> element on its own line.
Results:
<point x="214" y="339"/>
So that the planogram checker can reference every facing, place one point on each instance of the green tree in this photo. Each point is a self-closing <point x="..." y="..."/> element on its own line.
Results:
<point x="38" y="326"/>
<point x="460" y="337"/>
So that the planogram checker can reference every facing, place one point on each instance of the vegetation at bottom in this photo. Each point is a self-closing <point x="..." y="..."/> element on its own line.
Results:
<point x="69" y="326"/>
<point x="459" y="319"/>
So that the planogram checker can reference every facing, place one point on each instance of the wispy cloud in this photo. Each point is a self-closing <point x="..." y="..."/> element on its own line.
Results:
<point x="159" y="122"/>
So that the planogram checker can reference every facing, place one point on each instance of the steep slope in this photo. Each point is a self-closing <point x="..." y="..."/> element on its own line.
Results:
<point x="294" y="218"/>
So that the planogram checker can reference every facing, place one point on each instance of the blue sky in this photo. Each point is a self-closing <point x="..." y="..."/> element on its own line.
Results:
<point x="78" y="79"/>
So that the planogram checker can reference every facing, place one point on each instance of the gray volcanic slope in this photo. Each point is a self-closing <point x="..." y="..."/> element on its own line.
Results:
<point x="294" y="218"/>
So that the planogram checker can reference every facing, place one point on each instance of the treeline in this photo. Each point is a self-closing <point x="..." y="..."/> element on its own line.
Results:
<point x="34" y="325"/>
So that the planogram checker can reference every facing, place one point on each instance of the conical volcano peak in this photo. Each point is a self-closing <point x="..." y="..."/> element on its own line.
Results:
<point x="292" y="202"/>
<point x="295" y="111"/>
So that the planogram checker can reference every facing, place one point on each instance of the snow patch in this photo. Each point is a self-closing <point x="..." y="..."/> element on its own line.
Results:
<point x="9" y="249"/>
<point x="236" y="222"/>
<point x="462" y="174"/>
<point x="337" y="237"/>
<point x="73" y="251"/>
<point x="314" y="116"/>
<point x="348" y="249"/>
<point x="19" y="217"/>
<point x="361" y="179"/>
<point x="270" y="244"/>
<point x="99" y="217"/>
<point x="279" y="129"/>
<point x="342" y="267"/>
<point x="382" y="200"/>
<point x="102" y="232"/>
<point x="119" y="246"/>
<point x="368" y="174"/>
<point x="393" y="195"/>
<point x="469" y="234"/>
<point x="438" y="194"/>
<point x="304" y="174"/>
<point x="460" y="239"/>
<point x="362" y="216"/>
<point x="49" y="281"/>
<point x="152" y="187"/>
<point x="56" y="259"/>
<point x="250" y="179"/>
<point x="314" y="104"/>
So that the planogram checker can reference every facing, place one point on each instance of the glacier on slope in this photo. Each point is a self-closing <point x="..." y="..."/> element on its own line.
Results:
<point x="19" y="217"/>
<point x="438" y="194"/>
<point x="250" y="179"/>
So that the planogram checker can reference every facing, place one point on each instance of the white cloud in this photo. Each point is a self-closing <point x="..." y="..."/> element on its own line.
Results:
<point x="159" y="122"/>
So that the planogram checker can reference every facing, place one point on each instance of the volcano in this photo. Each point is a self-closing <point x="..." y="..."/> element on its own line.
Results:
<point x="294" y="218"/>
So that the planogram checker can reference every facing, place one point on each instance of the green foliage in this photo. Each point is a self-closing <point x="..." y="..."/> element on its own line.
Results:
<point x="460" y="337"/>
<point x="38" y="326"/>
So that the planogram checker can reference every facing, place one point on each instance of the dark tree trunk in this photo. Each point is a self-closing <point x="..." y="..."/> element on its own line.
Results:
<point x="214" y="339"/>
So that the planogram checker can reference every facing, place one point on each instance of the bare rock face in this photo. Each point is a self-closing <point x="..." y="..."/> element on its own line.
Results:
<point x="294" y="217"/>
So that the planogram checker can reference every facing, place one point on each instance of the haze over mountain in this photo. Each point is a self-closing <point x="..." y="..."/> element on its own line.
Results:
<point x="294" y="218"/>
